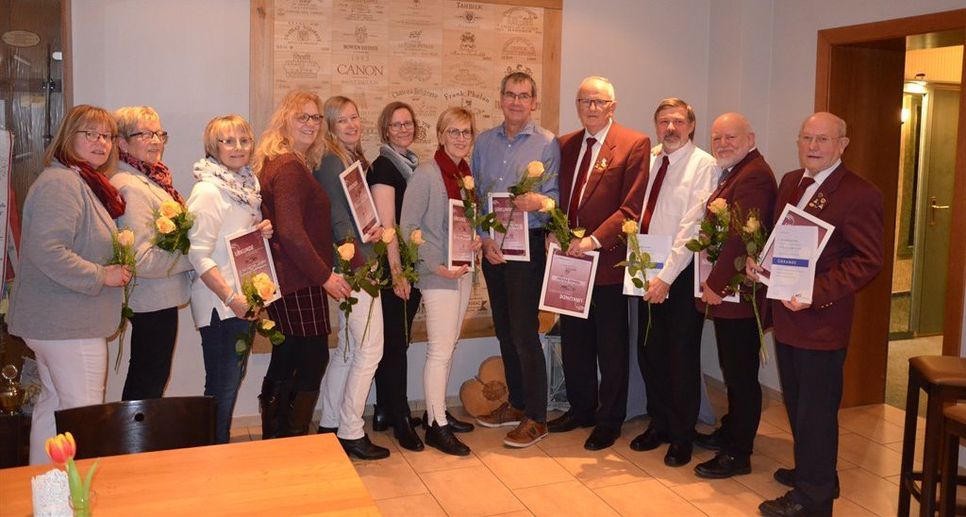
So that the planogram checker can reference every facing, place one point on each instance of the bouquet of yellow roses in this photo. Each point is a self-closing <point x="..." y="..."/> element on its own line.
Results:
<point x="367" y="277"/>
<point x="257" y="289"/>
<point x="172" y="224"/>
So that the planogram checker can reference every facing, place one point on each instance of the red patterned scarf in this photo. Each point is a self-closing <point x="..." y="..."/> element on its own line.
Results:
<point x="451" y="172"/>
<point x="156" y="172"/>
<point x="105" y="192"/>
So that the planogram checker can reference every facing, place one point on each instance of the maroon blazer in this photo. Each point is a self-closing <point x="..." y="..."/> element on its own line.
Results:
<point x="614" y="191"/>
<point x="750" y="185"/>
<point x="852" y="258"/>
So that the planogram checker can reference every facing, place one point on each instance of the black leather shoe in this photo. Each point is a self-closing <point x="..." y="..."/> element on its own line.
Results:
<point x="678" y="454"/>
<point x="380" y="419"/>
<point x="363" y="449"/>
<point x="442" y="438"/>
<point x="457" y="426"/>
<point x="787" y="478"/>
<point x="601" y="438"/>
<point x="723" y="466"/>
<point x="712" y="441"/>
<point x="327" y="430"/>
<point x="648" y="440"/>
<point x="788" y="506"/>
<point x="567" y="422"/>
<point x="406" y="435"/>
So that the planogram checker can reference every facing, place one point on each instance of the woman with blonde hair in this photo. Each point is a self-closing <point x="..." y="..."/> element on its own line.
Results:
<point x="302" y="249"/>
<point x="163" y="285"/>
<point x="353" y="365"/>
<point x="446" y="292"/>
<point x="225" y="200"/>
<point x="65" y="302"/>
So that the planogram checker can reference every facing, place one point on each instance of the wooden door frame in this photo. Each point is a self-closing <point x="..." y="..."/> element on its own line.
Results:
<point x="869" y="33"/>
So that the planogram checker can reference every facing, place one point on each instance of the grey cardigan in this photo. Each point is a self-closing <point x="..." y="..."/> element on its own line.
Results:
<point x="425" y="207"/>
<point x="162" y="276"/>
<point x="327" y="174"/>
<point x="59" y="290"/>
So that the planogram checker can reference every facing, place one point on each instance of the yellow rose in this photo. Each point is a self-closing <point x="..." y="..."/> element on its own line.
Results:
<point x="751" y="225"/>
<point x="719" y="206"/>
<point x="416" y="237"/>
<point x="347" y="251"/>
<point x="164" y="225"/>
<point x="468" y="182"/>
<point x="534" y="169"/>
<point x="126" y="238"/>
<point x="548" y="205"/>
<point x="629" y="227"/>
<point x="264" y="286"/>
<point x="170" y="208"/>
<point x="579" y="232"/>
<point x="388" y="235"/>
<point x="268" y="324"/>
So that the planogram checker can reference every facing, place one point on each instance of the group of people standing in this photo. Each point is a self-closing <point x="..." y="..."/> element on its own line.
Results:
<point x="105" y="172"/>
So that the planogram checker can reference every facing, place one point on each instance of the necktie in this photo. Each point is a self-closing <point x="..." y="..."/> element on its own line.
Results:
<point x="652" y="198"/>
<point x="579" y="185"/>
<point x="800" y="191"/>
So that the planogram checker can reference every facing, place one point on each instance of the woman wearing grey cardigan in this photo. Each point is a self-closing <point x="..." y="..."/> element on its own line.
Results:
<point x="65" y="302"/>
<point x="162" y="284"/>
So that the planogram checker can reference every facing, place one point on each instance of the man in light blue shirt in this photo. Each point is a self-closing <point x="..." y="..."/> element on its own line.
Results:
<point x="500" y="157"/>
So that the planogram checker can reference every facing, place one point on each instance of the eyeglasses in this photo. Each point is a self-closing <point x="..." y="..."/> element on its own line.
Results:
<point x="596" y="103"/>
<point x="399" y="126"/>
<point x="94" y="136"/>
<point x="244" y="143"/>
<point x="820" y="139"/>
<point x="303" y="118"/>
<point x="147" y="136"/>
<point x="456" y="133"/>
<point x="522" y="97"/>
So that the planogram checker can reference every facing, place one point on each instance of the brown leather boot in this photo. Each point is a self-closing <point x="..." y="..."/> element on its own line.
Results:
<point x="303" y="406"/>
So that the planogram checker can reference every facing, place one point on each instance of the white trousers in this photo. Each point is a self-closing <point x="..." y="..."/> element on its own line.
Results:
<point x="348" y="377"/>
<point x="445" y="309"/>
<point x="73" y="373"/>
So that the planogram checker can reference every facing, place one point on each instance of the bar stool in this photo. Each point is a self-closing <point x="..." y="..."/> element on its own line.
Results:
<point x="943" y="378"/>
<point x="954" y="430"/>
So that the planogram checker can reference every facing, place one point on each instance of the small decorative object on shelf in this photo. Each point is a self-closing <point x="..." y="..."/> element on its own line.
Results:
<point x="11" y="394"/>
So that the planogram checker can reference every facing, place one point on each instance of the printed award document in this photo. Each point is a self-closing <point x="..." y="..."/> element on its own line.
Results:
<point x="658" y="247"/>
<point x="568" y="282"/>
<point x="793" y="263"/>
<point x="357" y="192"/>
<point x="460" y="250"/>
<point x="702" y="270"/>
<point x="793" y="216"/>
<point x="250" y="255"/>
<point x="516" y="242"/>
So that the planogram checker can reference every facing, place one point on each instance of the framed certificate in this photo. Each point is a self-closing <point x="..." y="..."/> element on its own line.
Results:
<point x="516" y="242"/>
<point x="361" y="204"/>
<point x="568" y="282"/>
<point x="460" y="251"/>
<point x="249" y="255"/>
<point x="793" y="216"/>
<point x="792" y="266"/>
<point x="658" y="247"/>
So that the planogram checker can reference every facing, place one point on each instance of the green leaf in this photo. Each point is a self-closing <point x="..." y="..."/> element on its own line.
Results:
<point x="638" y="283"/>
<point x="740" y="263"/>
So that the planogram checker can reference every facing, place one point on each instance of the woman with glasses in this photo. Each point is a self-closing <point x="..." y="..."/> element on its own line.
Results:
<point x="387" y="179"/>
<point x="144" y="182"/>
<point x="353" y="365"/>
<point x="65" y="302"/>
<point x="302" y="249"/>
<point x="225" y="200"/>
<point x="445" y="292"/>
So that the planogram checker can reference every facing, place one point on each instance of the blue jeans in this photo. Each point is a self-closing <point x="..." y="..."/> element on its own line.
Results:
<point x="223" y="368"/>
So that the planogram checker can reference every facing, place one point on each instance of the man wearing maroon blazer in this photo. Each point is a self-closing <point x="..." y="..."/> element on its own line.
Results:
<point x="811" y="339"/>
<point x="748" y="185"/>
<point x="603" y="173"/>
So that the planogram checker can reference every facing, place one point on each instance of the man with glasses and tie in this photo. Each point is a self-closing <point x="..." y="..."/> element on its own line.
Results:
<point x="669" y="332"/>
<point x="603" y="172"/>
<point x="748" y="185"/>
<point x="500" y="156"/>
<point x="811" y="339"/>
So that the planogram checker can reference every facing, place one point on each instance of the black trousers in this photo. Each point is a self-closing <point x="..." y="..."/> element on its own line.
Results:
<point x="738" y="355"/>
<point x="301" y="359"/>
<point x="670" y="359"/>
<point x="153" y="335"/>
<point x="514" y="290"/>
<point x="600" y="341"/>
<point x="391" y="378"/>
<point x="812" y="389"/>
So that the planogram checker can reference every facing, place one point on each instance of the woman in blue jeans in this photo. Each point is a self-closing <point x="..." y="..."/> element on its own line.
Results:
<point x="225" y="200"/>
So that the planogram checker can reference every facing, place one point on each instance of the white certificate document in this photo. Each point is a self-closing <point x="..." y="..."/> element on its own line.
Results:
<point x="659" y="248"/>
<point x="793" y="216"/>
<point x="702" y="270"/>
<point x="793" y="263"/>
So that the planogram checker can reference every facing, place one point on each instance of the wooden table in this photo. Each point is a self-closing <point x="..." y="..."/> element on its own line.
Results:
<point x="292" y="476"/>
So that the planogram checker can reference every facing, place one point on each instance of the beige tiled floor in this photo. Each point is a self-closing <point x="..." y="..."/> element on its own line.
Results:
<point x="558" y="477"/>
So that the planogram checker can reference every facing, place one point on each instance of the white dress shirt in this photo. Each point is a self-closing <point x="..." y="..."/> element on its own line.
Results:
<point x="594" y="150"/>
<point x="691" y="177"/>
<point x="819" y="179"/>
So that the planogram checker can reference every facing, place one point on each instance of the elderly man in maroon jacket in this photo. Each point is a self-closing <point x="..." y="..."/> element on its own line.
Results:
<point x="811" y="339"/>
<point x="748" y="185"/>
<point x="603" y="174"/>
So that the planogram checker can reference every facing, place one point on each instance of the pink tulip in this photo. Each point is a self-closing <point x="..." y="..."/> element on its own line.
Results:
<point x="61" y="448"/>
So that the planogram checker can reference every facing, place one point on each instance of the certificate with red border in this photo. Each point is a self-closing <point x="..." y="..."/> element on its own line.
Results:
<point x="568" y="282"/>
<point x="793" y="216"/>
<point x="361" y="204"/>
<point x="250" y="255"/>
<point x="460" y="251"/>
<point x="516" y="242"/>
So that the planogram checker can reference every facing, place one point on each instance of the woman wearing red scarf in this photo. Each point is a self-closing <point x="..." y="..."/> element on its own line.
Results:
<point x="65" y="301"/>
<point x="162" y="284"/>
<point x="446" y="292"/>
